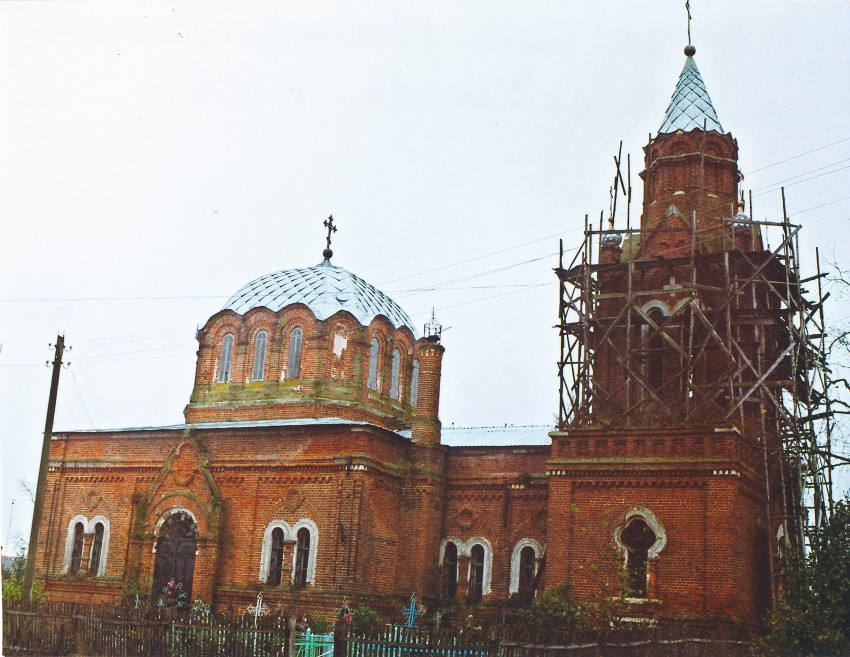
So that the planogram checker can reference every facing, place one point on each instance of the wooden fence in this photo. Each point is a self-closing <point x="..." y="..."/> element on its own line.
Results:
<point x="71" y="629"/>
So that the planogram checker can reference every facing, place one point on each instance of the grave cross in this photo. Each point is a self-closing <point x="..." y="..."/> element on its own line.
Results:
<point x="412" y="611"/>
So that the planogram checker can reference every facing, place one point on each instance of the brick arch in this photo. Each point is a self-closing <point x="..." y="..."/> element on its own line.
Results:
<point x="291" y="506"/>
<point x="530" y="524"/>
<point x="380" y="329"/>
<point x="219" y="324"/>
<point x="297" y="315"/>
<point x="403" y="341"/>
<point x="679" y="146"/>
<point x="209" y="345"/>
<point x="185" y="480"/>
<point x="93" y="502"/>
<point x="256" y="320"/>
<point x="171" y="503"/>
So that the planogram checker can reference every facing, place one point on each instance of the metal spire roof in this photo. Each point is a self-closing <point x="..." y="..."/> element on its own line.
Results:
<point x="690" y="108"/>
<point x="325" y="289"/>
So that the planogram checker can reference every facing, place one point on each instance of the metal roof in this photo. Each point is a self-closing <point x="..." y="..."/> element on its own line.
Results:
<point x="245" y="424"/>
<point x="325" y="289"/>
<point x="505" y="436"/>
<point x="690" y="108"/>
<point x="491" y="436"/>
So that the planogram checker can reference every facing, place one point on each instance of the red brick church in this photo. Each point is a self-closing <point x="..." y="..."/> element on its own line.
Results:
<point x="312" y="464"/>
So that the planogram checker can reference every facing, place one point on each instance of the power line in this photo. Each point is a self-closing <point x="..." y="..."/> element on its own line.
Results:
<point x="181" y="346"/>
<point x="479" y="275"/>
<point x="468" y="303"/>
<point x="822" y="205"/>
<point x="794" y="157"/>
<point x="820" y="175"/>
<point x="80" y="397"/>
<point x="130" y="360"/>
<point x="486" y="255"/>
<point x="132" y="335"/>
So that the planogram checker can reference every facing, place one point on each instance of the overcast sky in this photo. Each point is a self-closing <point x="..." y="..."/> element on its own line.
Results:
<point x="156" y="157"/>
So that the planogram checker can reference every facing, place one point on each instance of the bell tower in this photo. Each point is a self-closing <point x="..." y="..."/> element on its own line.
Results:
<point x="677" y="362"/>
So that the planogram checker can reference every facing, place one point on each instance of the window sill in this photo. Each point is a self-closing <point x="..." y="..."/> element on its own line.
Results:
<point x="637" y="601"/>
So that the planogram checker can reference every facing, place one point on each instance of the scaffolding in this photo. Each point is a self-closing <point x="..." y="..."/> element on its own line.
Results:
<point x="720" y="331"/>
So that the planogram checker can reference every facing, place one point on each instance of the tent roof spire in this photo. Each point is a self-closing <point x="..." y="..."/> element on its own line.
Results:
<point x="690" y="108"/>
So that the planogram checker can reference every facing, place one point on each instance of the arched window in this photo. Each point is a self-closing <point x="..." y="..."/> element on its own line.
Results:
<point x="226" y="357"/>
<point x="655" y="351"/>
<point x="302" y="558"/>
<point x="394" y="381"/>
<point x="476" y="573"/>
<point x="293" y="364"/>
<point x="96" y="549"/>
<point x="275" y="538"/>
<point x="524" y="565"/>
<point x="450" y="571"/>
<point x="637" y="537"/>
<point x="527" y="572"/>
<point x="276" y="557"/>
<point x="259" y="370"/>
<point x="373" y="365"/>
<point x="77" y="552"/>
<point x="414" y="384"/>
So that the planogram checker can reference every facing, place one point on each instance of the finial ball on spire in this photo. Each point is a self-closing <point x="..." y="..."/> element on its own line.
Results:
<point x="327" y="254"/>
<point x="690" y="51"/>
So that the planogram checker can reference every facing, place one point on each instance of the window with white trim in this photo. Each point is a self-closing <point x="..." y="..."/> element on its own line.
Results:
<point x="258" y="372"/>
<point x="302" y="558"/>
<point x="77" y="551"/>
<point x="98" y="545"/>
<point x="525" y="561"/>
<point x="641" y="538"/>
<point x="272" y="558"/>
<point x="450" y="570"/>
<point x="476" y="573"/>
<point x="226" y="358"/>
<point x="276" y="557"/>
<point x="306" y="537"/>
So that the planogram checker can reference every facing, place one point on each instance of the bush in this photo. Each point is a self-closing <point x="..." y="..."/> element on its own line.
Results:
<point x="553" y="611"/>
<point x="318" y="624"/>
<point x="364" y="620"/>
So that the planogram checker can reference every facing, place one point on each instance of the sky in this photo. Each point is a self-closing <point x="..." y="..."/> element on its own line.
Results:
<point x="155" y="157"/>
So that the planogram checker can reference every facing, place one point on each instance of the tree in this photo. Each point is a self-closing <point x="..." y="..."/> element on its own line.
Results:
<point x="813" y="617"/>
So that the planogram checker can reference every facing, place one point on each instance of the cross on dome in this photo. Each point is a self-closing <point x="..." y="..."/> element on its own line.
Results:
<point x="329" y="224"/>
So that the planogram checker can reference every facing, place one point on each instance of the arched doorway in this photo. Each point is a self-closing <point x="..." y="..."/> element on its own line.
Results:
<point x="175" y="560"/>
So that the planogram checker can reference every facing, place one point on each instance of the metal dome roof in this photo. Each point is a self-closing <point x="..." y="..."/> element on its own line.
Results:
<point x="325" y="289"/>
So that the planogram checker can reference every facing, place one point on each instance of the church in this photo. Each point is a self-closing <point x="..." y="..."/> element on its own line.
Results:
<point x="312" y="465"/>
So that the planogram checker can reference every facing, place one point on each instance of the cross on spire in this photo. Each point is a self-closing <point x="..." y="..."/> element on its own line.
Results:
<point x="688" y="10"/>
<point x="329" y="224"/>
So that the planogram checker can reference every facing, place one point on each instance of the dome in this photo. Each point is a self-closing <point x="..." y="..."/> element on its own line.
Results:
<point x="325" y="289"/>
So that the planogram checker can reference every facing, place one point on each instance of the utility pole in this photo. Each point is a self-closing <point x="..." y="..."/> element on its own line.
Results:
<point x="32" y="549"/>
